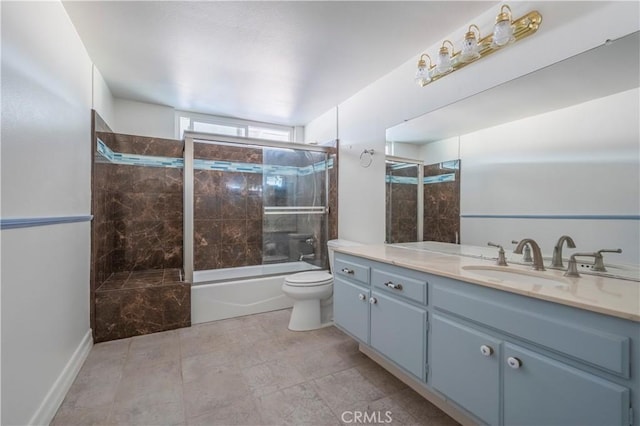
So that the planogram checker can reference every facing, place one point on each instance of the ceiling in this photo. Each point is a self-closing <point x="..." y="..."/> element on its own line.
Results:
<point x="569" y="82"/>
<point x="283" y="62"/>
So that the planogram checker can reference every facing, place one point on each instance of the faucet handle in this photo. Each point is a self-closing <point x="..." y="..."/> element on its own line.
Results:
<point x="598" y="265"/>
<point x="610" y="251"/>
<point x="501" y="261"/>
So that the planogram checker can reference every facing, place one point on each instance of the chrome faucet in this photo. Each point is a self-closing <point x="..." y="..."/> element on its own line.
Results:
<point x="307" y="256"/>
<point x="556" y="260"/>
<point x="598" y="264"/>
<point x="535" y="248"/>
<point x="501" y="259"/>
<point x="527" y="252"/>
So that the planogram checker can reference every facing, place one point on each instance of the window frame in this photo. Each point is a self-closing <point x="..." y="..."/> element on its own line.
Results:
<point x="246" y="125"/>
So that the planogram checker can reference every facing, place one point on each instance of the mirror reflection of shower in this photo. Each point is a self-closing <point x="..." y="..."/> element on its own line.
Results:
<point x="404" y="200"/>
<point x="257" y="204"/>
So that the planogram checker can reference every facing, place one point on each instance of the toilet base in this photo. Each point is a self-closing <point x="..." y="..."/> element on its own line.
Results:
<point x="305" y="316"/>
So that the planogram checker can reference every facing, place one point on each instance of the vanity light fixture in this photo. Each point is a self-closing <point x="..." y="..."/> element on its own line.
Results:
<point x="470" y="49"/>
<point x="505" y="31"/>
<point x="443" y="64"/>
<point x="422" y="74"/>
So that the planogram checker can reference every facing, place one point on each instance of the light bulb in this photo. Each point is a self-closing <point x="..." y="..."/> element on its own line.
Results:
<point x="422" y="74"/>
<point x="502" y="30"/>
<point x="443" y="64"/>
<point x="470" y="48"/>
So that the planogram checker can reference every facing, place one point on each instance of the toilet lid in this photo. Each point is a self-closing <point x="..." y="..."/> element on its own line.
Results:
<point x="308" y="279"/>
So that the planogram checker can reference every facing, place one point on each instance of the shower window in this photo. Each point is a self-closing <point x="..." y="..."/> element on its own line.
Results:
<point x="231" y="127"/>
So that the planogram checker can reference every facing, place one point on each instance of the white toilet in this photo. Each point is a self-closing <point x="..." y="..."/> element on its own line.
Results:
<point x="311" y="293"/>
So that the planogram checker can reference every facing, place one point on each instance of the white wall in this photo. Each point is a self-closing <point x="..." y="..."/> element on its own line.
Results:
<point x="581" y="160"/>
<point x="324" y="128"/>
<point x="103" y="101"/>
<point x="440" y="151"/>
<point x="143" y="119"/>
<point x="46" y="165"/>
<point x="406" y="150"/>
<point x="568" y="28"/>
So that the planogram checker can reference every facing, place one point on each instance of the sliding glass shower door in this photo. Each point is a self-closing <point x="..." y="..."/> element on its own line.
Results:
<point x="252" y="203"/>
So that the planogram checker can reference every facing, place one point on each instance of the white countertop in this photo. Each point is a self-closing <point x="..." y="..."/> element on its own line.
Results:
<point x="609" y="296"/>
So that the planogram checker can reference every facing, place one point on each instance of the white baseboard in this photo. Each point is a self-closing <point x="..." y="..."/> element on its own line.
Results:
<point x="49" y="406"/>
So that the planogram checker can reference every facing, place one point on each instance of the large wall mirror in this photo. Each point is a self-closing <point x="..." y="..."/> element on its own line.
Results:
<point x="553" y="152"/>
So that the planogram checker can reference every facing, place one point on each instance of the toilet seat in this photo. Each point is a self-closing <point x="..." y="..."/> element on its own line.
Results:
<point x="309" y="279"/>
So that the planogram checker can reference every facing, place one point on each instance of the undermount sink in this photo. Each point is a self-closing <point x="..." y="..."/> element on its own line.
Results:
<point x="514" y="275"/>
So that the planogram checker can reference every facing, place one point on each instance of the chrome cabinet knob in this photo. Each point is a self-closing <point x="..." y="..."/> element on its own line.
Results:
<point x="486" y="350"/>
<point x="347" y="271"/>
<point x="362" y="296"/>
<point x="514" y="362"/>
<point x="373" y="300"/>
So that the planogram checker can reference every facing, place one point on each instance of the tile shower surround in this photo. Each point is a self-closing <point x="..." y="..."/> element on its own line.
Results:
<point x="227" y="210"/>
<point x="142" y="302"/>
<point x="441" y="206"/>
<point x="138" y="228"/>
<point x="141" y="206"/>
<point x="228" y="206"/>
<point x="137" y="235"/>
<point x="402" y="204"/>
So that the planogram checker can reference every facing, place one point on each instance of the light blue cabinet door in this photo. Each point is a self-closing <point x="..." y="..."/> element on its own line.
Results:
<point x="399" y="331"/>
<point x="542" y="391"/>
<point x="465" y="367"/>
<point x="351" y="308"/>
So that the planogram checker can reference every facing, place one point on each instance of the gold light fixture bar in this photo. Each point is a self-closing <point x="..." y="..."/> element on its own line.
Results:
<point x="522" y="27"/>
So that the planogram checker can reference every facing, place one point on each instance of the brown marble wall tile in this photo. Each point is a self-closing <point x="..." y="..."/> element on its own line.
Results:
<point x="143" y="145"/>
<point x="206" y="207"/>
<point x="254" y="207"/>
<point x="401" y="208"/>
<point x="234" y="231"/>
<point x="233" y="184"/>
<point x="441" y="206"/>
<point x="333" y="199"/>
<point x="206" y="182"/>
<point x="146" y="308"/>
<point x="235" y="154"/>
<point x="226" y="205"/>
<point x="137" y="226"/>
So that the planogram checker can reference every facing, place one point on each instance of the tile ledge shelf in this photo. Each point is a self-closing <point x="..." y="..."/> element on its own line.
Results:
<point x="29" y="222"/>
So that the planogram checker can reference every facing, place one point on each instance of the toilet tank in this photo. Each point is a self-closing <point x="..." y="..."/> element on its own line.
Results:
<point x="332" y="244"/>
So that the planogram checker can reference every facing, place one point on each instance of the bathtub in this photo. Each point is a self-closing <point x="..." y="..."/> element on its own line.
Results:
<point x="232" y="292"/>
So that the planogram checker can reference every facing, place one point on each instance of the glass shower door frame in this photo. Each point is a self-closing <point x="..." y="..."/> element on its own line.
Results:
<point x="188" y="219"/>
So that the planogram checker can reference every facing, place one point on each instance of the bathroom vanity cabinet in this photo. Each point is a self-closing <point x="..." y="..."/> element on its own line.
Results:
<point x="498" y="357"/>
<point x="393" y="321"/>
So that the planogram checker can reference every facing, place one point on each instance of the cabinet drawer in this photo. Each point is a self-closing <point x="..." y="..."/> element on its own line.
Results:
<point x="401" y="285"/>
<point x="352" y="270"/>
<point x="560" y="332"/>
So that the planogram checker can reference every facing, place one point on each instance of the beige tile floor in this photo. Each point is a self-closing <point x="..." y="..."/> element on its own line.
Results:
<point x="242" y="371"/>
